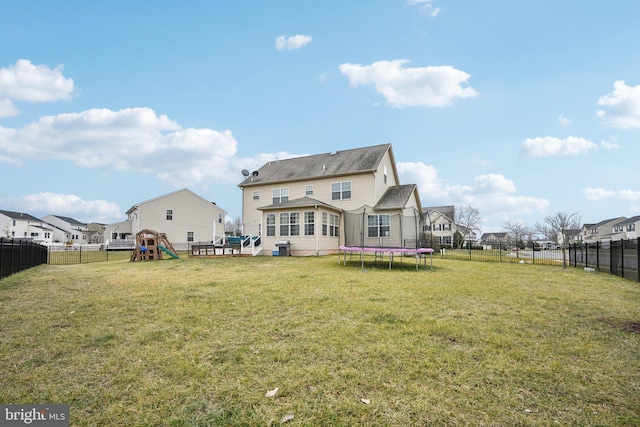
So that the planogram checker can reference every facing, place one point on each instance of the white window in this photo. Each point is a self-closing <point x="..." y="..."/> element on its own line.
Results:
<point x="256" y="195"/>
<point x="309" y="223"/>
<point x="341" y="190"/>
<point x="378" y="225"/>
<point x="290" y="223"/>
<point x="280" y="195"/>
<point x="271" y="224"/>
<point x="220" y="218"/>
<point x="189" y="236"/>
<point x="308" y="191"/>
<point x="330" y="224"/>
<point x="169" y="214"/>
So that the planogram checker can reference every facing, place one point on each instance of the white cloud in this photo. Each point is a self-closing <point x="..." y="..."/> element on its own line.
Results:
<point x="551" y="146"/>
<point x="492" y="194"/>
<point x="43" y="204"/>
<point x="597" y="194"/>
<point x="132" y="139"/>
<point x="622" y="106"/>
<point x="292" y="43"/>
<point x="433" y="86"/>
<point x="32" y="83"/>
<point x="563" y="120"/>
<point x="609" y="145"/>
<point x="426" y="6"/>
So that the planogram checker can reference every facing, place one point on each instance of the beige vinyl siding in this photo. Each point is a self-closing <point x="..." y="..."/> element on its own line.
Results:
<point x="189" y="213"/>
<point x="302" y="245"/>
<point x="380" y="186"/>
<point x="363" y="192"/>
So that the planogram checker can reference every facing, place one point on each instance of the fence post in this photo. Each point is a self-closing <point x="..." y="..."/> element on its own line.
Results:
<point x="638" y="258"/>
<point x="622" y="257"/>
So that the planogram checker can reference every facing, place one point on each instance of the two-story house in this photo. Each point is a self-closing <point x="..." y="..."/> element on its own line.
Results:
<point x="592" y="233"/>
<point x="72" y="230"/>
<point x="182" y="215"/>
<point x="20" y="225"/>
<point x="439" y="225"/>
<point x="623" y="229"/>
<point x="303" y="200"/>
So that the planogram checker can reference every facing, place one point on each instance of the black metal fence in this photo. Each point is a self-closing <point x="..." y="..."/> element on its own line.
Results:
<point x="64" y="255"/>
<point x="19" y="255"/>
<point x="531" y="253"/>
<point x="618" y="257"/>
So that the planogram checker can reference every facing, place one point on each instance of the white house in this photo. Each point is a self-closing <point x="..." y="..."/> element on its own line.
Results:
<point x="182" y="215"/>
<point x="68" y="229"/>
<point x="19" y="225"/>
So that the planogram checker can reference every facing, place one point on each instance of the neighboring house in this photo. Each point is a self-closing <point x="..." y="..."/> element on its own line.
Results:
<point x="491" y="240"/>
<point x="573" y="236"/>
<point x="625" y="229"/>
<point x="303" y="200"/>
<point x="183" y="216"/>
<point x="439" y="225"/>
<point x="74" y="231"/>
<point x="592" y="233"/>
<point x="19" y="225"/>
<point x="95" y="232"/>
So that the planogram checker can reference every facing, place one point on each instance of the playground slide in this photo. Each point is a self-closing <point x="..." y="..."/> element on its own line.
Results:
<point x="167" y="251"/>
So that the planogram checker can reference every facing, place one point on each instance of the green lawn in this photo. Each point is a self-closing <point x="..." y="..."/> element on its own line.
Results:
<point x="199" y="342"/>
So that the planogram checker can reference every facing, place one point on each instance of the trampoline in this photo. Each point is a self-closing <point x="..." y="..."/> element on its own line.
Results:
<point x="418" y="253"/>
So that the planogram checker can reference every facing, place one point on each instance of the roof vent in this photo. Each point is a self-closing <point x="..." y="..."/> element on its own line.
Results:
<point x="333" y="153"/>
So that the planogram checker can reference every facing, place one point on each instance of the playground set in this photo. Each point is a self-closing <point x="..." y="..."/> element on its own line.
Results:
<point x="150" y="245"/>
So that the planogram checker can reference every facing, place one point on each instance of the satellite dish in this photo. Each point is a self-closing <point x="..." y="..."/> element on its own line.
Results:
<point x="254" y="173"/>
<point x="245" y="172"/>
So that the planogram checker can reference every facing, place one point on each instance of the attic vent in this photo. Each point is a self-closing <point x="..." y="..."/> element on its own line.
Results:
<point x="324" y="167"/>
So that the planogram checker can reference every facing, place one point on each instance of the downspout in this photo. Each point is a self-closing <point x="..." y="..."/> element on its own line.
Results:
<point x="317" y="231"/>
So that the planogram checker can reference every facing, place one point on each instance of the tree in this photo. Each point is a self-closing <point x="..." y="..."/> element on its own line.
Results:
<point x="517" y="232"/>
<point x="556" y="228"/>
<point x="233" y="227"/>
<point x="467" y="218"/>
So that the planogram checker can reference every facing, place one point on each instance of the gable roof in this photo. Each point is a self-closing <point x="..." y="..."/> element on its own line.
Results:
<point x="19" y="215"/>
<point x="69" y="220"/>
<point x="302" y="202"/>
<point x="396" y="197"/>
<point x="629" y="220"/>
<point x="607" y="221"/>
<point x="346" y="162"/>
<point x="448" y="211"/>
<point x="134" y="207"/>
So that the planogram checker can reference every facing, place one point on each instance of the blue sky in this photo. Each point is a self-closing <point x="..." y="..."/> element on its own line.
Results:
<point x="518" y="108"/>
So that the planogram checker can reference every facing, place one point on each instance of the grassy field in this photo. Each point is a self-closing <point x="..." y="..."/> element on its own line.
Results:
<point x="199" y="342"/>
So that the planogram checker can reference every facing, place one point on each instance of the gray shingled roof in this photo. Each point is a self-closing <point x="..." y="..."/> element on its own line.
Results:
<point x="448" y="211"/>
<point x="70" y="220"/>
<point x="302" y="202"/>
<point x="346" y="162"/>
<point x="395" y="197"/>
<point x="19" y="215"/>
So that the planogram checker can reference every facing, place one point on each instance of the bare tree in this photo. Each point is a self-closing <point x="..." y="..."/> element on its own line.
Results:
<point x="233" y="227"/>
<point x="467" y="218"/>
<point x="556" y="228"/>
<point x="517" y="231"/>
